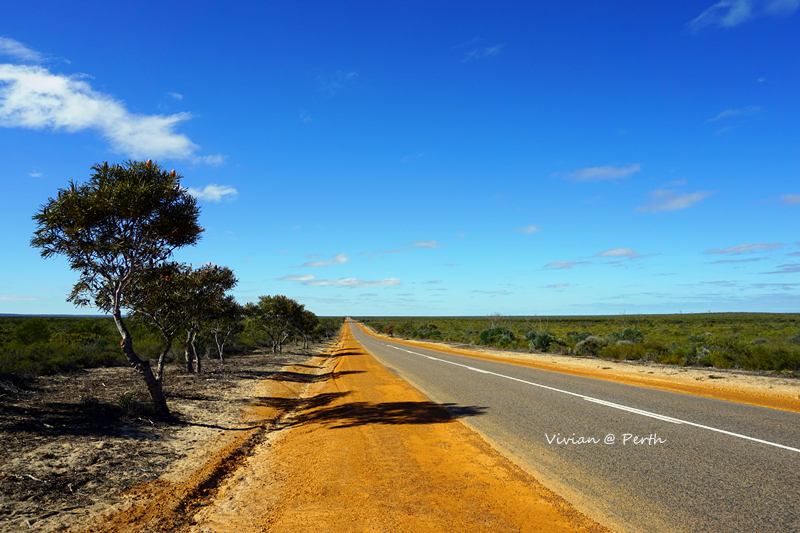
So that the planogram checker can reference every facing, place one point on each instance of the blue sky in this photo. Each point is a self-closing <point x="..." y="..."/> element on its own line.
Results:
<point x="414" y="158"/>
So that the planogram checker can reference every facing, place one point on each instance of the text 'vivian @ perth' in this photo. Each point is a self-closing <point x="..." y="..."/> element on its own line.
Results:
<point x="627" y="438"/>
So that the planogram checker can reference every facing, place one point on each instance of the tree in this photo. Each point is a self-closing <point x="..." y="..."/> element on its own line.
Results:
<point x="305" y="323"/>
<point x="205" y="288"/>
<point x="125" y="219"/>
<point x="226" y="320"/>
<point x="156" y="296"/>
<point x="275" y="315"/>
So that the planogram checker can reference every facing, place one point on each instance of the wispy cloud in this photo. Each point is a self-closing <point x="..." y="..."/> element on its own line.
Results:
<point x="351" y="283"/>
<point x="606" y="173"/>
<point x="790" y="199"/>
<point x="32" y="97"/>
<point x="556" y="286"/>
<point x="214" y="193"/>
<point x="786" y="269"/>
<point x="728" y="113"/>
<point x="527" y="230"/>
<point x="425" y="244"/>
<point x="619" y="252"/>
<point x="333" y="84"/>
<point x="751" y="260"/>
<point x="35" y="174"/>
<point x="502" y="293"/>
<point x="16" y="298"/>
<point x="18" y="51"/>
<point x="731" y="13"/>
<point x="176" y="96"/>
<point x="745" y="248"/>
<point x="482" y="53"/>
<point x="337" y="259"/>
<point x="663" y="200"/>
<point x="564" y="265"/>
<point x="307" y="277"/>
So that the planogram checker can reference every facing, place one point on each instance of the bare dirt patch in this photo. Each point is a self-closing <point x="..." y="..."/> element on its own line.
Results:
<point x="71" y="446"/>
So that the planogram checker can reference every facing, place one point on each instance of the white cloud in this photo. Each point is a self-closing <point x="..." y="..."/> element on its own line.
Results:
<point x="176" y="96"/>
<point x="731" y="13"/>
<point x="607" y="172"/>
<point x="745" y="248"/>
<point x="352" y="283"/>
<point x="727" y="14"/>
<point x="619" y="252"/>
<point x="213" y="160"/>
<point x="503" y="293"/>
<point x="17" y="50"/>
<point x="489" y="51"/>
<point x="332" y="85"/>
<point x="527" y="230"/>
<point x="556" y="286"/>
<point x="32" y="97"/>
<point x="728" y="113"/>
<point x="307" y="277"/>
<point x="425" y="244"/>
<point x="790" y="199"/>
<point x="337" y="259"/>
<point x="564" y="265"/>
<point x="665" y="200"/>
<point x="16" y="298"/>
<point x="214" y="192"/>
<point x="35" y="174"/>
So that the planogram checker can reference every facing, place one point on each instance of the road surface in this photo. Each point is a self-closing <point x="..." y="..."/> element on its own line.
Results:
<point x="633" y="458"/>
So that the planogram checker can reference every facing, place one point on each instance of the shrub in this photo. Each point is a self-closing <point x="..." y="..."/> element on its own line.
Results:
<point x="492" y="335"/>
<point x="540" y="340"/>
<point x="34" y="329"/>
<point x="590" y="345"/>
<point x="628" y="334"/>
<point x="577" y="337"/>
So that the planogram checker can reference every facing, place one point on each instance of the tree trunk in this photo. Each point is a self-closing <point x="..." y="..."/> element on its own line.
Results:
<point x="198" y="368"/>
<point x="186" y="355"/>
<point x="161" y="358"/>
<point x="142" y="367"/>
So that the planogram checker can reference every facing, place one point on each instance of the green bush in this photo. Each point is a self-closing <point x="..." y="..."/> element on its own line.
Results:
<point x="32" y="330"/>
<point x="493" y="335"/>
<point x="628" y="334"/>
<point x="590" y="345"/>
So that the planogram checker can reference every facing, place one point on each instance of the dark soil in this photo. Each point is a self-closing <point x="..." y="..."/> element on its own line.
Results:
<point x="70" y="445"/>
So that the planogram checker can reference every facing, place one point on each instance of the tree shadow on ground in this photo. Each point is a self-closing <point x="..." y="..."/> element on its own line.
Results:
<point x="344" y="415"/>
<point x="345" y="353"/>
<point x="298" y="377"/>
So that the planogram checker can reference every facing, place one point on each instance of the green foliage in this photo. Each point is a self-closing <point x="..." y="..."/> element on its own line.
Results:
<point x="33" y="330"/>
<point x="590" y="345"/>
<point x="495" y="335"/>
<point x="628" y="334"/>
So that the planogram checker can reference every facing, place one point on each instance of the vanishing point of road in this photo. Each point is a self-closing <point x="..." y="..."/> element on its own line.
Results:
<point x="632" y="458"/>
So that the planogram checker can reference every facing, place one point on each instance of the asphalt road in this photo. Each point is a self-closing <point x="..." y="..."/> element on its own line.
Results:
<point x="677" y="462"/>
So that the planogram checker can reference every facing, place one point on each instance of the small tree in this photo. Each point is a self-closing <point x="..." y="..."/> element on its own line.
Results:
<point x="126" y="219"/>
<point x="275" y="316"/>
<point x="227" y="320"/>
<point x="205" y="288"/>
<point x="156" y="297"/>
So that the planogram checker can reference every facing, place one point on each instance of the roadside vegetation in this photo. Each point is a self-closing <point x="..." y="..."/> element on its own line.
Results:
<point x="750" y="341"/>
<point x="117" y="232"/>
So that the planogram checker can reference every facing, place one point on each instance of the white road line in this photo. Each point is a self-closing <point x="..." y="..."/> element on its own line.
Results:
<point x="602" y="402"/>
